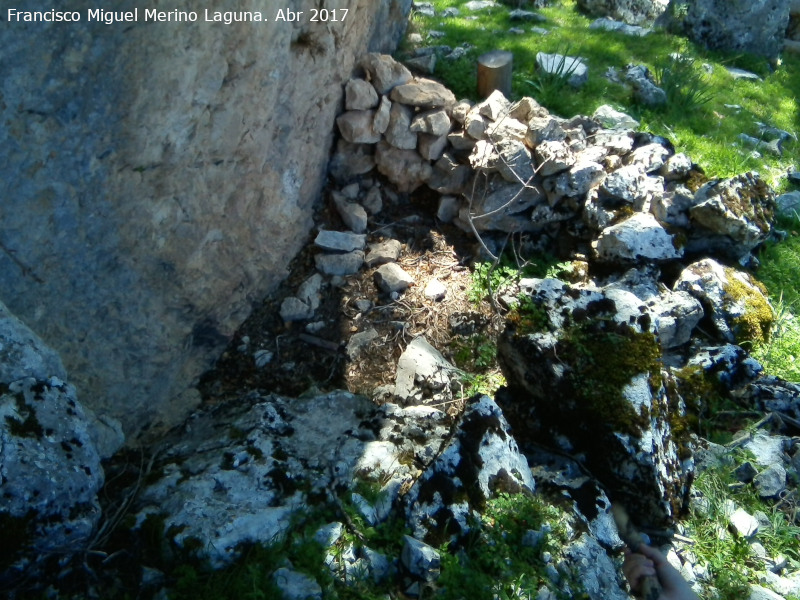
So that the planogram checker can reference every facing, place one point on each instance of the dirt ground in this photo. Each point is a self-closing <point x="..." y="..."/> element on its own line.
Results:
<point x="304" y="360"/>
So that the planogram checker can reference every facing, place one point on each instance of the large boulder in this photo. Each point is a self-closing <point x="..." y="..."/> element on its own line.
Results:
<point x="755" y="26"/>
<point x="633" y="12"/>
<point x="158" y="177"/>
<point x="584" y="372"/>
<point x="50" y="471"/>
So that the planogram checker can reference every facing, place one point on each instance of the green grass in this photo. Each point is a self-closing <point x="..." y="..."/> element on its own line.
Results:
<point x="779" y="271"/>
<point x="707" y="131"/>
<point x="728" y="557"/>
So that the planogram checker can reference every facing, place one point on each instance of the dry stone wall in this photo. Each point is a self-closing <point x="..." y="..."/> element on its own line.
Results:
<point x="158" y="177"/>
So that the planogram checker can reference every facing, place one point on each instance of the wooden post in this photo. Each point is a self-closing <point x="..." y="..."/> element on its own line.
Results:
<point x="494" y="73"/>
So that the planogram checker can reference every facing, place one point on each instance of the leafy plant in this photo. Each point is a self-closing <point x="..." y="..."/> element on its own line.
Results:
<point x="687" y="89"/>
<point x="548" y="85"/>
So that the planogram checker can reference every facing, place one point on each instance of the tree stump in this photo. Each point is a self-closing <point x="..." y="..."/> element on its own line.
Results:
<point x="494" y="73"/>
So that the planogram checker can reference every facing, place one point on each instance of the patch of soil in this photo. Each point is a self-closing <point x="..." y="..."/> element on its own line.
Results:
<point x="312" y="355"/>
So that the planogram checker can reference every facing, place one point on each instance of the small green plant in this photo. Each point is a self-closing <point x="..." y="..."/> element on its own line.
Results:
<point x="687" y="89"/>
<point x="493" y="562"/>
<point x="548" y="86"/>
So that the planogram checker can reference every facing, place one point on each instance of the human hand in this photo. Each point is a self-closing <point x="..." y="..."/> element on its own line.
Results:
<point x="649" y="562"/>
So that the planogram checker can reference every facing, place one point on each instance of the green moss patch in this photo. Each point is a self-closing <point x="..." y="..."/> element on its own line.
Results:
<point x="754" y="326"/>
<point x="603" y="357"/>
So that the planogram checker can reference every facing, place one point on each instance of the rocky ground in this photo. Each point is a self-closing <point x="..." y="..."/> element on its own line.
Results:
<point x="341" y="417"/>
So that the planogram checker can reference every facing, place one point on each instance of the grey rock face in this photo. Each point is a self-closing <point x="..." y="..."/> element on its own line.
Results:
<point x="23" y="354"/>
<point x="633" y="12"/>
<point x="756" y="26"/>
<point x="644" y="90"/>
<point x="480" y="461"/>
<point x="159" y="177"/>
<point x="423" y="93"/>
<point x="741" y="208"/>
<point x="636" y="452"/>
<point x="610" y="118"/>
<point x="733" y="300"/>
<point x="636" y="238"/>
<point x="50" y="469"/>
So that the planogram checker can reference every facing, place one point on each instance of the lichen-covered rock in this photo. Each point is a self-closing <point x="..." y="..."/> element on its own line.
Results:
<point x="735" y="302"/>
<point x="639" y="237"/>
<point x="50" y="453"/>
<point x="423" y="375"/>
<point x="740" y="209"/>
<point x="633" y="12"/>
<point x="50" y="473"/>
<point x="385" y="73"/>
<point x="584" y="371"/>
<point x="481" y="460"/>
<point x="239" y="472"/>
<point x="754" y="26"/>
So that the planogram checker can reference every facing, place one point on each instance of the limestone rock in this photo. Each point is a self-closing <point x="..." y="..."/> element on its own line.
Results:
<point x="581" y="177"/>
<point x="611" y="25"/>
<point x="734" y="301"/>
<point x="353" y="214"/>
<point x="757" y="26"/>
<point x="435" y="122"/>
<point x="435" y="290"/>
<point x="23" y="353"/>
<point x="382" y="115"/>
<point x="771" y="481"/>
<point x="391" y="277"/>
<point x="243" y="482"/>
<point x="384" y="72"/>
<point x="741" y="208"/>
<point x="359" y="342"/>
<point x="650" y="157"/>
<point x="495" y="107"/>
<point x="745" y="524"/>
<point x="339" y="264"/>
<point x="449" y="176"/>
<point x="51" y="471"/>
<point x="571" y="67"/>
<point x="294" y="309"/>
<point x="644" y="90"/>
<point x="421" y="372"/>
<point x="502" y="206"/>
<point x="296" y="586"/>
<point x="359" y="95"/>
<point x="552" y="157"/>
<point x="611" y="118"/>
<point x="626" y="183"/>
<point x="788" y="204"/>
<point x="350" y="160"/>
<point x="675" y="315"/>
<point x="431" y="147"/>
<point x="677" y="167"/>
<point x="339" y="241"/>
<point x="356" y="127"/>
<point x="384" y="252"/>
<point x="423" y="93"/>
<point x="404" y="168"/>
<point x="634" y="12"/>
<point x="549" y="357"/>
<point x="420" y="560"/>
<point x="398" y="133"/>
<point x="480" y="461"/>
